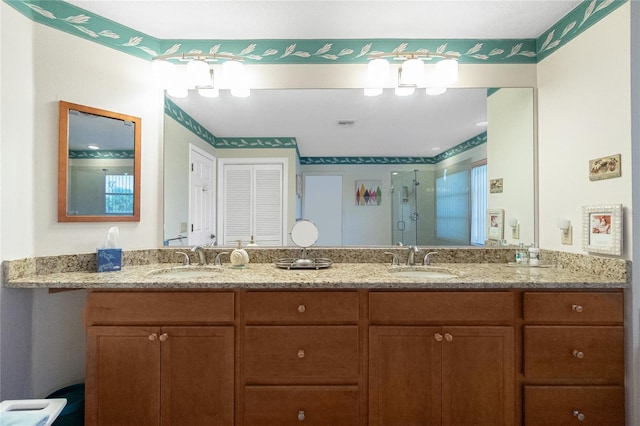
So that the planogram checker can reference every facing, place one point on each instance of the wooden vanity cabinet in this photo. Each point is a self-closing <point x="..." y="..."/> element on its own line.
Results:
<point x="301" y="361"/>
<point x="446" y="373"/>
<point x="573" y="358"/>
<point x="144" y="367"/>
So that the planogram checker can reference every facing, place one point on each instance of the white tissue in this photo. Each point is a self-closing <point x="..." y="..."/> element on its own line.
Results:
<point x="112" y="239"/>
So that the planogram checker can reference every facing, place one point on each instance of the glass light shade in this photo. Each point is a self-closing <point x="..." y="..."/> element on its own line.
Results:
<point x="372" y="92"/>
<point x="163" y="73"/>
<point x="235" y="77"/>
<point x="198" y="73"/>
<point x="405" y="91"/>
<point x="435" y="91"/>
<point x="447" y="71"/>
<point x="178" y="92"/>
<point x="378" y="72"/>
<point x="240" y="92"/>
<point x="209" y="92"/>
<point x="412" y="72"/>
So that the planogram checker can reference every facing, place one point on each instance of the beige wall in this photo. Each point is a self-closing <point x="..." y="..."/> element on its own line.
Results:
<point x="584" y="112"/>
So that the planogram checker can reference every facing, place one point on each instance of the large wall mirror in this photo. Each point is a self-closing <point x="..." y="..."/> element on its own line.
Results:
<point x="332" y="123"/>
<point x="98" y="165"/>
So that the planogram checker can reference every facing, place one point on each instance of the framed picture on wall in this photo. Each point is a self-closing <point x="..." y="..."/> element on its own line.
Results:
<point x="602" y="229"/>
<point x="495" y="224"/>
<point x="368" y="192"/>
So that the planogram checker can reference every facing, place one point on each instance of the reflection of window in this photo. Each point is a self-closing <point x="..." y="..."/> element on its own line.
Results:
<point x="118" y="194"/>
<point x="452" y="207"/>
<point x="478" y="204"/>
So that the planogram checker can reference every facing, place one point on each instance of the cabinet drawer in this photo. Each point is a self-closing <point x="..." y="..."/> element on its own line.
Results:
<point x="301" y="307"/>
<point x="295" y="405"/>
<point x="301" y="354"/>
<point x="574" y="405"/>
<point x="166" y="308"/>
<point x="579" y="307"/>
<point x="417" y="307"/>
<point x="577" y="352"/>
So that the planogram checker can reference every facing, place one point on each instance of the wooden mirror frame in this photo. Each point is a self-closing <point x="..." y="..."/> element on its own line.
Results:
<point x="63" y="164"/>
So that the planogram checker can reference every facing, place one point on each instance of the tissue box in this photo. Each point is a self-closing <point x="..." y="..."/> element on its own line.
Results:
<point x="109" y="259"/>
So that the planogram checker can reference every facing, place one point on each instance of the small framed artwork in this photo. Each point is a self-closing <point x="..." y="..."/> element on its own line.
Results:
<point x="602" y="229"/>
<point x="368" y="192"/>
<point x="605" y="167"/>
<point x="495" y="185"/>
<point x="495" y="224"/>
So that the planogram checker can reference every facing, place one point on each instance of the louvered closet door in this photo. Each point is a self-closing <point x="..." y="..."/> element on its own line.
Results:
<point x="267" y="195"/>
<point x="252" y="203"/>
<point x="237" y="202"/>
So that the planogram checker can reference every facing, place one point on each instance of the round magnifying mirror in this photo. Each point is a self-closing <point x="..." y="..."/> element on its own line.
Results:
<point x="304" y="233"/>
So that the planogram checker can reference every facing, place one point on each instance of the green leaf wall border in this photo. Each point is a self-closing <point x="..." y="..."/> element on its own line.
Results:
<point x="77" y="21"/>
<point x="101" y="154"/>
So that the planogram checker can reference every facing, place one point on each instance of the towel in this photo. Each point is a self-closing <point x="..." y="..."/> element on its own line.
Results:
<point x="23" y="418"/>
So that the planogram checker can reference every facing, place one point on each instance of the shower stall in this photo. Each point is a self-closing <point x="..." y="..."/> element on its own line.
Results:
<point x="431" y="207"/>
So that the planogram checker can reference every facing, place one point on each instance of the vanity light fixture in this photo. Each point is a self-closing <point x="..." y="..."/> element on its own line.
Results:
<point x="93" y="147"/>
<point x="515" y="228"/>
<point x="567" y="231"/>
<point x="199" y="75"/>
<point x="411" y="72"/>
<point x="481" y="123"/>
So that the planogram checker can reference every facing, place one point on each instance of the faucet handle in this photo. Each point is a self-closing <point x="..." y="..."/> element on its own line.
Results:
<point x="217" y="261"/>
<point x="395" y="261"/>
<point x="426" y="261"/>
<point x="185" y="258"/>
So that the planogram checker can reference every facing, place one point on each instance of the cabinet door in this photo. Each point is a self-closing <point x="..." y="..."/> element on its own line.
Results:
<point x="197" y="376"/>
<point x="123" y="376"/>
<point x="478" y="376"/>
<point x="404" y="376"/>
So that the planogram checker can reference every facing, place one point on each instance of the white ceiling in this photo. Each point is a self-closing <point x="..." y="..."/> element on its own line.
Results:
<point x="386" y="125"/>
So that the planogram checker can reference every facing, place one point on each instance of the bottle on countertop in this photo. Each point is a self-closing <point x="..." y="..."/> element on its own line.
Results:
<point x="522" y="255"/>
<point x="252" y="242"/>
<point x="534" y="255"/>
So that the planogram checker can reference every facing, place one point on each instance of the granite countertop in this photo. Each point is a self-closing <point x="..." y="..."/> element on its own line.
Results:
<point x="338" y="276"/>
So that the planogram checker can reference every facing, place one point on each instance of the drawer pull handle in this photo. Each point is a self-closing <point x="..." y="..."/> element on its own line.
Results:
<point x="164" y="337"/>
<point x="577" y="308"/>
<point x="301" y="353"/>
<point x="578" y="354"/>
<point x="578" y="415"/>
<point x="448" y="337"/>
<point x="153" y="337"/>
<point x="438" y="337"/>
<point x="302" y="308"/>
<point x="301" y="415"/>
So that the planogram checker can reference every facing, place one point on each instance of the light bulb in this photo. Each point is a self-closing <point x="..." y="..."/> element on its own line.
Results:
<point x="435" y="91"/>
<point x="198" y="73"/>
<point x="405" y="91"/>
<point x="209" y="92"/>
<point x="412" y="72"/>
<point x="372" y="92"/>
<point x="447" y="71"/>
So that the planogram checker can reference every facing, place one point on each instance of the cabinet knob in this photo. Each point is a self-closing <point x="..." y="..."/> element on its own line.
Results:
<point x="577" y="308"/>
<point x="301" y="308"/>
<point x="301" y="415"/>
<point x="577" y="414"/>
<point x="153" y="337"/>
<point x="438" y="337"/>
<point x="448" y="337"/>
<point x="578" y="354"/>
<point x="164" y="337"/>
<point x="301" y="353"/>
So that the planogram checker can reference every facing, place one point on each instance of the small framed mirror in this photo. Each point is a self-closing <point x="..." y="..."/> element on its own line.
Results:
<point x="98" y="165"/>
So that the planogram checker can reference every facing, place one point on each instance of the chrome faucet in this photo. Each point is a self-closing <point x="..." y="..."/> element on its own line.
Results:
<point x="201" y="254"/>
<point x="411" y="257"/>
<point x="427" y="258"/>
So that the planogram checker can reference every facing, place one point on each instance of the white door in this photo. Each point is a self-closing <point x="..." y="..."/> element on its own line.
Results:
<point x="322" y="204"/>
<point x="202" y="195"/>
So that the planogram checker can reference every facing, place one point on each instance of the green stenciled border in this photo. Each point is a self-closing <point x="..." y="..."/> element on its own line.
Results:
<point x="101" y="154"/>
<point x="583" y="16"/>
<point x="175" y="112"/>
<point x="458" y="149"/>
<point x="284" y="142"/>
<point x="82" y="23"/>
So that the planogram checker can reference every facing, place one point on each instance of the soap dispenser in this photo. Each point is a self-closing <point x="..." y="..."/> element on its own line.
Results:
<point x="239" y="256"/>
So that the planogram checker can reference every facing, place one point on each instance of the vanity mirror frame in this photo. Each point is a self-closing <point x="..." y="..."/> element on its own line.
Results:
<point x="63" y="164"/>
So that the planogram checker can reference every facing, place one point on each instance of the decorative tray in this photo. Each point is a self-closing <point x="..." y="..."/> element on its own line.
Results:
<point x="291" y="263"/>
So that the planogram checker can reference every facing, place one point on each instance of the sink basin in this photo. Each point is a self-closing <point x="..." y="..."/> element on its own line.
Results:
<point x="193" y="271"/>
<point x="428" y="272"/>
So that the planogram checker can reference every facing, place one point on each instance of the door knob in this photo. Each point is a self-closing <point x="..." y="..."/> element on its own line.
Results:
<point x="577" y="308"/>
<point x="448" y="337"/>
<point x="301" y="415"/>
<point x="301" y="353"/>
<point x="301" y="308"/>
<point x="164" y="337"/>
<point x="438" y="337"/>
<point x="578" y="354"/>
<point x="153" y="337"/>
